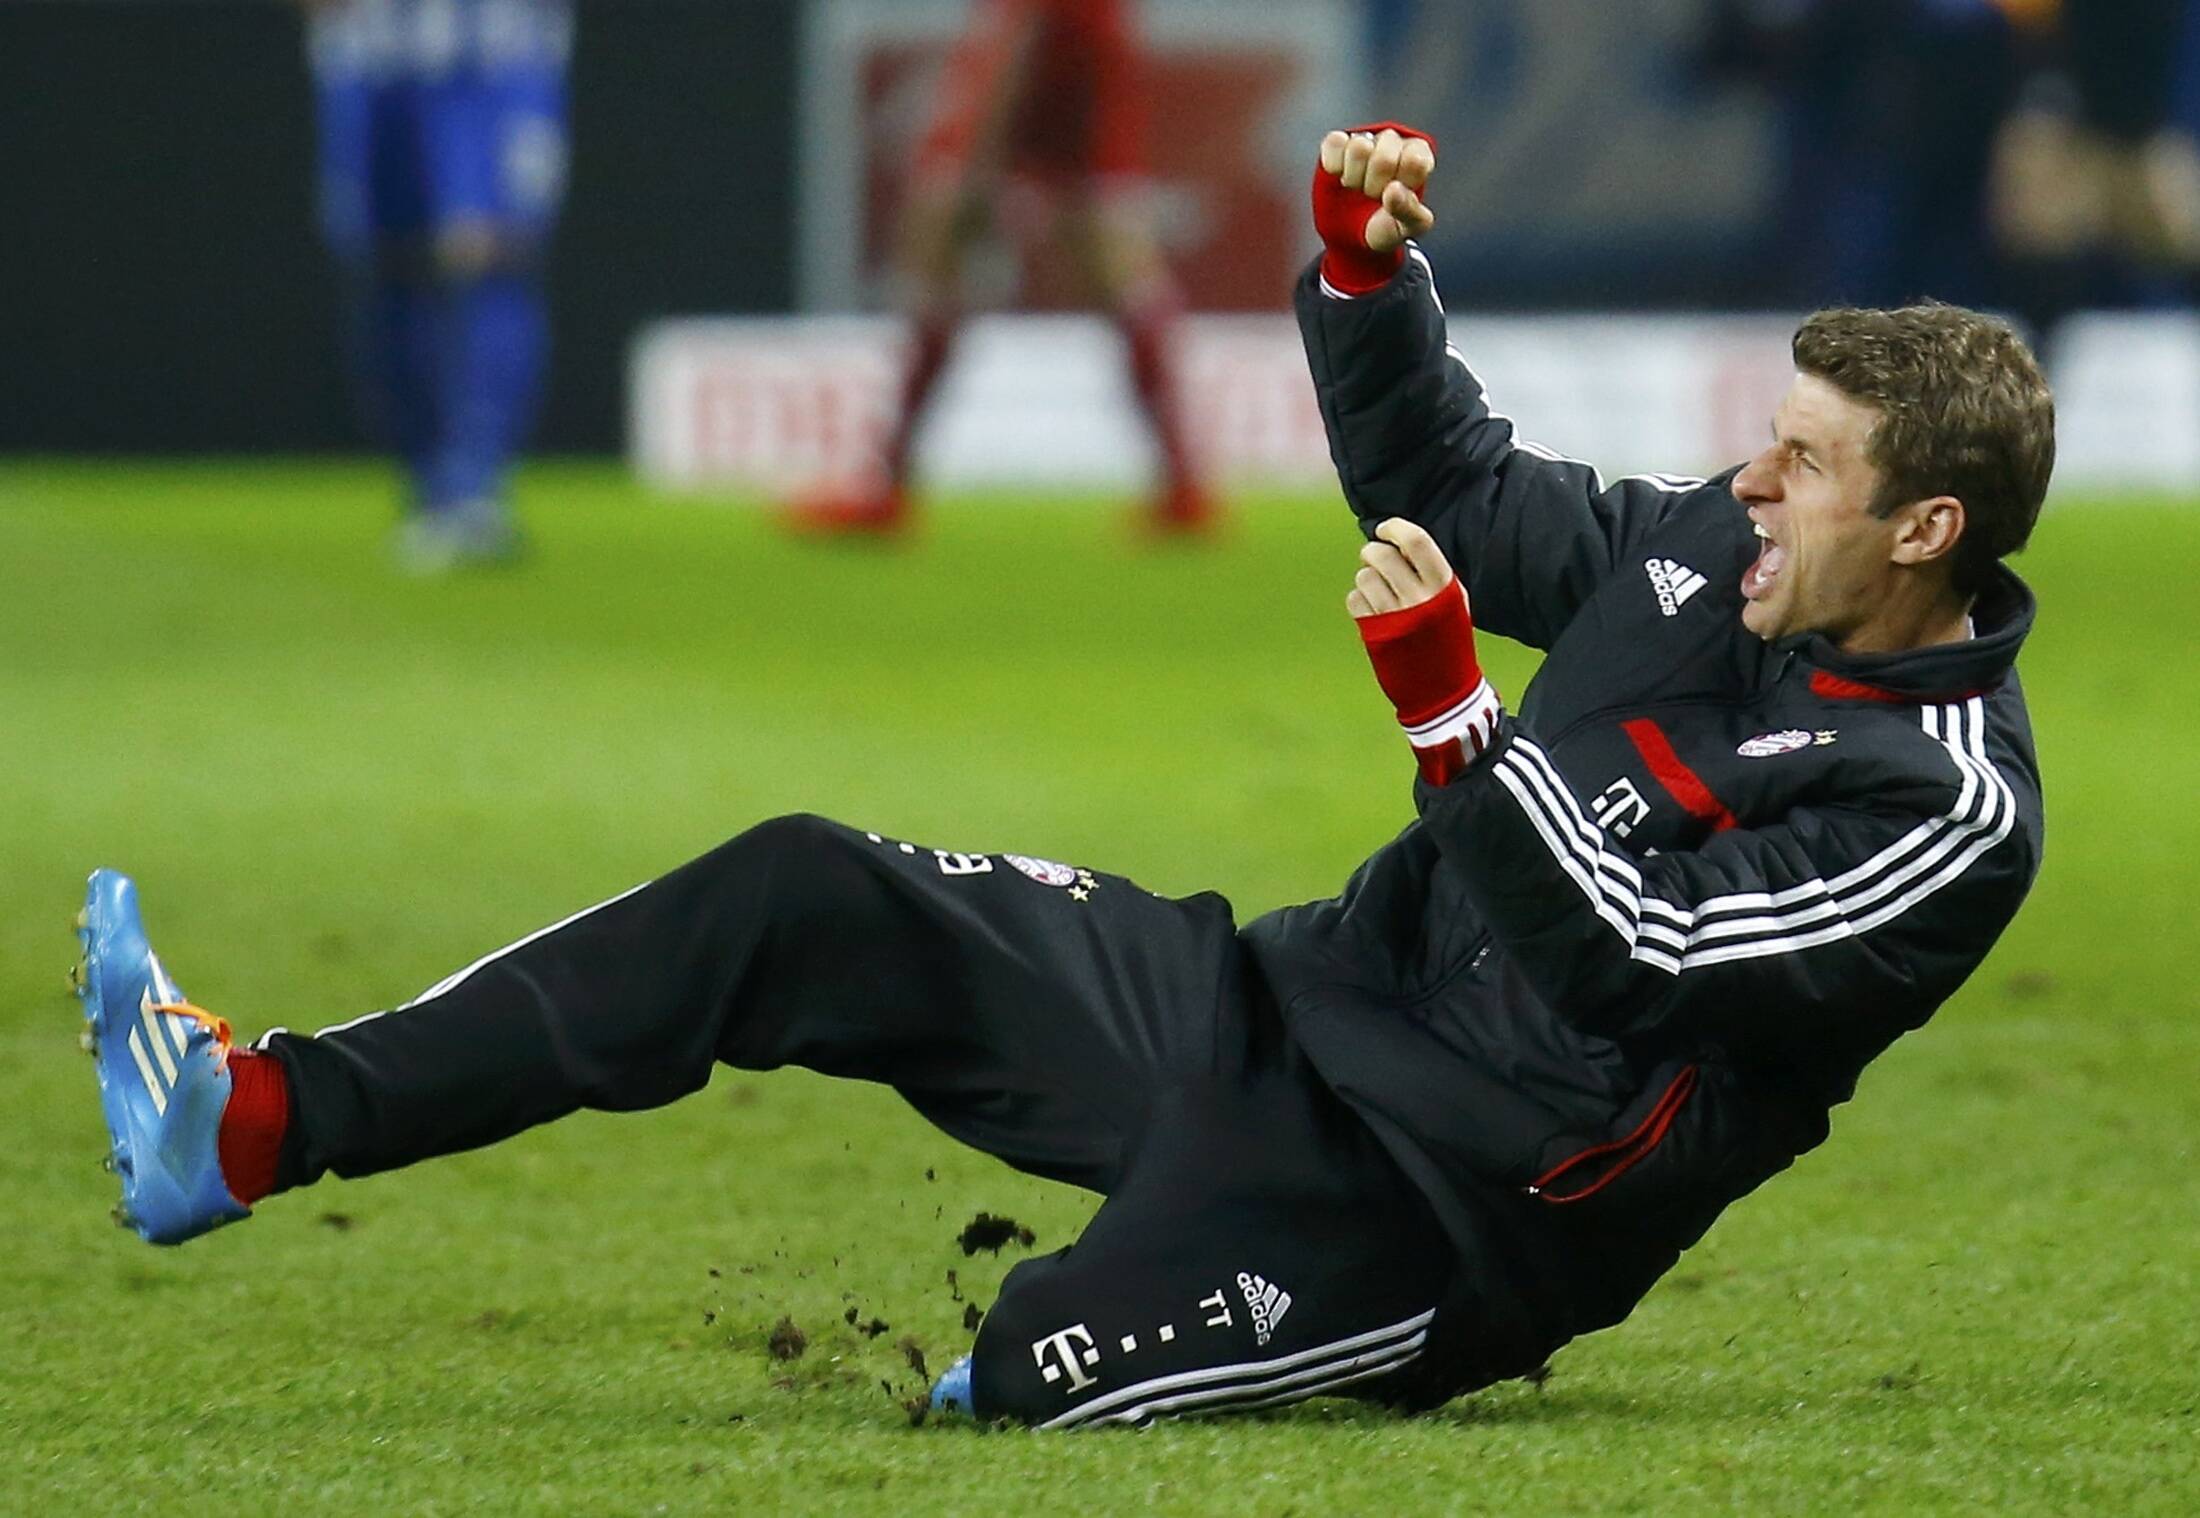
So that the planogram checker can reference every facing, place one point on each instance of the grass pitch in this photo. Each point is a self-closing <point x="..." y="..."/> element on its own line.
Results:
<point x="334" y="785"/>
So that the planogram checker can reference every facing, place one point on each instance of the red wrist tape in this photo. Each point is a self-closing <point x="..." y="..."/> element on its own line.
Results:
<point x="1341" y="217"/>
<point x="1425" y="661"/>
<point x="1424" y="655"/>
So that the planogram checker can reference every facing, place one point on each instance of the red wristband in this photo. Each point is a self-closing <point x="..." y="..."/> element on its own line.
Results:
<point x="1341" y="217"/>
<point x="1424" y="655"/>
<point x="1425" y="661"/>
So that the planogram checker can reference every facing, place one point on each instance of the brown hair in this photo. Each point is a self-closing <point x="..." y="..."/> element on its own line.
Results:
<point x="1963" y="411"/>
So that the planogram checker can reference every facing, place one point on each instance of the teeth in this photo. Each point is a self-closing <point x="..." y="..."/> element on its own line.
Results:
<point x="1759" y="529"/>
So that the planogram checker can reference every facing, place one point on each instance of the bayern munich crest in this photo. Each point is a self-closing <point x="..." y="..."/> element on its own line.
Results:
<point x="1765" y="745"/>
<point x="1045" y="871"/>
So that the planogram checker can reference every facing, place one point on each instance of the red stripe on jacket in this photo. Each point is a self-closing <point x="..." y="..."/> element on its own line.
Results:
<point x="1681" y="783"/>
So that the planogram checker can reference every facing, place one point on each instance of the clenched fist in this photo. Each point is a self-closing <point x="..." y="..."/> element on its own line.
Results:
<point x="1403" y="567"/>
<point x="1367" y="201"/>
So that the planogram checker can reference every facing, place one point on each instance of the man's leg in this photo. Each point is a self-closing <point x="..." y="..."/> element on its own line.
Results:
<point x="492" y="174"/>
<point x="1108" y="223"/>
<point x="1026" y="1007"/>
<point x="373" y="218"/>
<point x="1114" y="250"/>
<point x="937" y="226"/>
<point x="1258" y="1246"/>
<point x="1259" y="1249"/>
<point x="954" y="179"/>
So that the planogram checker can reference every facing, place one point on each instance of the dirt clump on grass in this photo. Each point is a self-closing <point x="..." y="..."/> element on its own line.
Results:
<point x="786" y="1342"/>
<point x="986" y="1231"/>
<point x="913" y="1352"/>
<point x="870" y="1330"/>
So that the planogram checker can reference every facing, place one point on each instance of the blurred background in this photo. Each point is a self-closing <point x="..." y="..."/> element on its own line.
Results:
<point x="169" y="287"/>
<point x="287" y="286"/>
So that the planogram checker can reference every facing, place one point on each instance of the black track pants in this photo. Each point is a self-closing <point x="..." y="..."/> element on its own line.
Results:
<point x="1257" y="1245"/>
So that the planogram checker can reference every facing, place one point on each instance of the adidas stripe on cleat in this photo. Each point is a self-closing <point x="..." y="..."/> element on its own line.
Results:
<point x="163" y="1074"/>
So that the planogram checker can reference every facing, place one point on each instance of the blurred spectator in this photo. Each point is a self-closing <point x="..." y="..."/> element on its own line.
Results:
<point x="1585" y="162"/>
<point x="1039" y="120"/>
<point x="443" y="148"/>
<point x="2097" y="180"/>
<point x="1888" y="111"/>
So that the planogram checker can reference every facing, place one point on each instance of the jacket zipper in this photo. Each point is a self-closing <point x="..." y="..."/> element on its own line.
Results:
<point x="1605" y="713"/>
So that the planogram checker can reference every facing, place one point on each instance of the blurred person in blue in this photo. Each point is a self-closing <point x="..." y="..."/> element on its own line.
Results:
<point x="442" y="162"/>
<point x="1888" y="111"/>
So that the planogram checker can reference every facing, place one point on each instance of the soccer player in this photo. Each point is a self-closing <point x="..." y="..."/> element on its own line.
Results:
<point x="1040" y="107"/>
<point x="442" y="131"/>
<point x="1769" y="801"/>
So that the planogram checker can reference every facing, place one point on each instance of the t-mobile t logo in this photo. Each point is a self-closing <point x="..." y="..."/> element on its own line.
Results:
<point x="1068" y="1353"/>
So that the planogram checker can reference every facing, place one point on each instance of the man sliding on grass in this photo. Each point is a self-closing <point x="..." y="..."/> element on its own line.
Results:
<point x="1769" y="801"/>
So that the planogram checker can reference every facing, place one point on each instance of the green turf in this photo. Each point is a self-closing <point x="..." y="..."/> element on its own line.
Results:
<point x="335" y="785"/>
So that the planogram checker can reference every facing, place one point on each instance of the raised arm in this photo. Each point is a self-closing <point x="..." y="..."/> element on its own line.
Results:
<point x="1410" y="428"/>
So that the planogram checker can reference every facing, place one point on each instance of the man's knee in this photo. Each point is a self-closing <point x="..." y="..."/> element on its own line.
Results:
<point x="471" y="248"/>
<point x="787" y="848"/>
<point x="459" y="253"/>
<point x="795" y="871"/>
<point x="790" y="833"/>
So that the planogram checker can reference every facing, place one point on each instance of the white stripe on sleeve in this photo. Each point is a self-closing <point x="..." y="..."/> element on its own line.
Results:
<point x="1755" y="924"/>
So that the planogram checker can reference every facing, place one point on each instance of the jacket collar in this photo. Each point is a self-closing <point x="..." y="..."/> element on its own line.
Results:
<point x="2002" y="616"/>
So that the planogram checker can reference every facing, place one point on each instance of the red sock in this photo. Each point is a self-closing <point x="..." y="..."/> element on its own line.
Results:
<point x="929" y="343"/>
<point x="1148" y="320"/>
<point x="253" y="1124"/>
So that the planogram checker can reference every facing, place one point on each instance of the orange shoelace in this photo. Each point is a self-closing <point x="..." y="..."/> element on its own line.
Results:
<point x="218" y="1026"/>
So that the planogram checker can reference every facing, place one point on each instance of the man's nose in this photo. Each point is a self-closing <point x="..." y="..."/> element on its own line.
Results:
<point x="1758" y="481"/>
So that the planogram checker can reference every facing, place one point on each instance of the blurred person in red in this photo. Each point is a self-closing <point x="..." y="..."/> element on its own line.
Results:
<point x="1041" y="104"/>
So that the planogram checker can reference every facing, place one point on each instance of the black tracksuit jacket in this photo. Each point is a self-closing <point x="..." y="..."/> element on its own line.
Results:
<point x="1618" y="971"/>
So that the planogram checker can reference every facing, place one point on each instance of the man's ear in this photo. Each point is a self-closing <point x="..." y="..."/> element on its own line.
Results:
<point x="1927" y="531"/>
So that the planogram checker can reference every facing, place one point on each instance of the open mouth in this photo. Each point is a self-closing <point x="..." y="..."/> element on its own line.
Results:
<point x="1764" y="569"/>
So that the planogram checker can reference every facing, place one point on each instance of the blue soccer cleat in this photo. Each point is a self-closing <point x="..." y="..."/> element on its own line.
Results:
<point x="951" y="1392"/>
<point x="163" y="1074"/>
